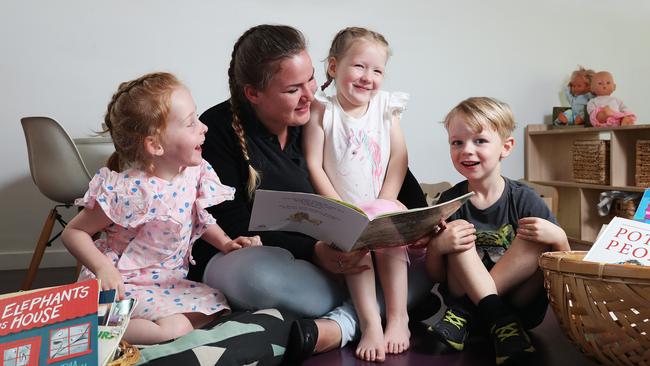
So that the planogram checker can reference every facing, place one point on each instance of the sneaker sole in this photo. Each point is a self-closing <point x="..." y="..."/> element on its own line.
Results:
<point x="517" y="358"/>
<point x="441" y="338"/>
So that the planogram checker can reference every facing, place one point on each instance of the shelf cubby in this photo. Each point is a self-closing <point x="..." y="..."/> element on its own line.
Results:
<point x="549" y="161"/>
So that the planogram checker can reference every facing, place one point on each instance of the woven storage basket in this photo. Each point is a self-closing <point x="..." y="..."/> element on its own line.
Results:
<point x="603" y="308"/>
<point x="642" y="172"/>
<point x="625" y="209"/>
<point x="591" y="161"/>
<point x="129" y="355"/>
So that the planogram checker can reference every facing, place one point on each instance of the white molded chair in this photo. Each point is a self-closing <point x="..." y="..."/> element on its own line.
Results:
<point x="548" y="194"/>
<point x="59" y="173"/>
<point x="432" y="191"/>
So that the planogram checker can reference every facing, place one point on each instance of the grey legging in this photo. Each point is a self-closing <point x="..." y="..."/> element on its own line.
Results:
<point x="270" y="277"/>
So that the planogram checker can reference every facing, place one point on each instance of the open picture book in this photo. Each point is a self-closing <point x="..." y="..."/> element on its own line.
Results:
<point x="345" y="225"/>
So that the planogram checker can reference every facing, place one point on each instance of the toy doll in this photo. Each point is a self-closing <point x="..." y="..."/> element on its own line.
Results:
<point x="577" y="93"/>
<point x="605" y="110"/>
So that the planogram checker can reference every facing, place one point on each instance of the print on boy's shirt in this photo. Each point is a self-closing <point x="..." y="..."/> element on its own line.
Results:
<point x="492" y="244"/>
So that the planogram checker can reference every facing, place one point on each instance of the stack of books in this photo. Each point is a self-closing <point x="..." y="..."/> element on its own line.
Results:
<point x="113" y="318"/>
<point x="62" y="325"/>
<point x="50" y="326"/>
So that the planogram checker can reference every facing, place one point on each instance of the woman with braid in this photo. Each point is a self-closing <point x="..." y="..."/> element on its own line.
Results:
<point x="254" y="141"/>
<point x="151" y="204"/>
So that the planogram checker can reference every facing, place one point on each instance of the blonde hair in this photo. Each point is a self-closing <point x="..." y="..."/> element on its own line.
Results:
<point x="254" y="61"/>
<point x="137" y="110"/>
<point x="344" y="40"/>
<point x="582" y="72"/>
<point x="481" y="112"/>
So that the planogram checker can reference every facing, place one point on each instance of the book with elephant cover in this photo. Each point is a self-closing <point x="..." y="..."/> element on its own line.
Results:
<point x="52" y="326"/>
<point x="343" y="224"/>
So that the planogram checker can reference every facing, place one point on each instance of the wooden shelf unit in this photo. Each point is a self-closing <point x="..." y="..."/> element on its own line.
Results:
<point x="549" y="161"/>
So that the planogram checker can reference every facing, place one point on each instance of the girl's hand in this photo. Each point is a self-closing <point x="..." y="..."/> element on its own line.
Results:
<point x="242" y="242"/>
<point x="542" y="231"/>
<point x="336" y="261"/>
<point x="456" y="236"/>
<point x="249" y="241"/>
<point x="111" y="278"/>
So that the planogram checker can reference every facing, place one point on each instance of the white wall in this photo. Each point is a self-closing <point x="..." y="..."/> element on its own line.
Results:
<point x="65" y="58"/>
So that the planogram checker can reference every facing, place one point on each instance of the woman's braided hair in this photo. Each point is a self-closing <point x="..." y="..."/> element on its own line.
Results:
<point x="137" y="110"/>
<point x="254" y="61"/>
<point x="342" y="42"/>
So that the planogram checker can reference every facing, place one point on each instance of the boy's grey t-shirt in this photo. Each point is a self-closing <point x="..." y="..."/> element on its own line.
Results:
<point x="496" y="225"/>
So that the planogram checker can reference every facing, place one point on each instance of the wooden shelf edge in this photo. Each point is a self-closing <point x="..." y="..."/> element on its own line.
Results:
<point x="549" y="130"/>
<point x="600" y="187"/>
<point x="575" y="241"/>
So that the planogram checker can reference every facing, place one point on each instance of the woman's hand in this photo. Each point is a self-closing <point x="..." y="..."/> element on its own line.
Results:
<point x="111" y="278"/>
<point x="242" y="242"/>
<point x="453" y="237"/>
<point x="542" y="231"/>
<point x="336" y="261"/>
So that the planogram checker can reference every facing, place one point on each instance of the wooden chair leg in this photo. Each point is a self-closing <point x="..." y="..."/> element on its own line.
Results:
<point x="39" y="250"/>
<point x="77" y="270"/>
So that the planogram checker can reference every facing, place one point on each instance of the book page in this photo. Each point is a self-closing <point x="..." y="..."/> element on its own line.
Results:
<point x="110" y="334"/>
<point x="322" y="218"/>
<point x="404" y="227"/>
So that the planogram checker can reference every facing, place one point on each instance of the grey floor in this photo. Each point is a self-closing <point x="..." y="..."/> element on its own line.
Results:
<point x="11" y="281"/>
<point x="552" y="345"/>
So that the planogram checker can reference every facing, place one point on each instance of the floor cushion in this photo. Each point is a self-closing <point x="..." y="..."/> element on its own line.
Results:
<point x="241" y="338"/>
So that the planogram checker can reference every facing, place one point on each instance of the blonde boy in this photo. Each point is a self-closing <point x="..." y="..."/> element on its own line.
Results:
<point x="486" y="256"/>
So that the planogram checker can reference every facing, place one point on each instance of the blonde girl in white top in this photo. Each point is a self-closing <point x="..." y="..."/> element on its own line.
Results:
<point x="356" y="152"/>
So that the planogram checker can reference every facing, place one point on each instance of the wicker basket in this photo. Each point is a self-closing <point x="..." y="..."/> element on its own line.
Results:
<point x="625" y="208"/>
<point x="603" y="308"/>
<point x="642" y="173"/>
<point x="591" y="161"/>
<point x="129" y="355"/>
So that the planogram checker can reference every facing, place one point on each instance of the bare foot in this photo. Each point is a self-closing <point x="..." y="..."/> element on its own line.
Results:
<point x="371" y="345"/>
<point x="627" y="121"/>
<point x="397" y="336"/>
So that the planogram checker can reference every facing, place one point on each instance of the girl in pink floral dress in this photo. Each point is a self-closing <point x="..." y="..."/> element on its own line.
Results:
<point x="151" y="208"/>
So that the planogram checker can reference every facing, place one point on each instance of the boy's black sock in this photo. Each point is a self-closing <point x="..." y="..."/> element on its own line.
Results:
<point x="511" y="343"/>
<point x="491" y="308"/>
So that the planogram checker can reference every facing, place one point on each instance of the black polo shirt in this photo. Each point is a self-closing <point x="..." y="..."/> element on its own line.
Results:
<point x="283" y="170"/>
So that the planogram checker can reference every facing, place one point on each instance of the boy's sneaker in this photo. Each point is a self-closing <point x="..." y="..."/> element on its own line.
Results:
<point x="452" y="329"/>
<point x="511" y="343"/>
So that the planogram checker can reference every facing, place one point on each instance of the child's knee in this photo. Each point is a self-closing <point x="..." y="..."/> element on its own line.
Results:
<point x="175" y="326"/>
<point x="393" y="252"/>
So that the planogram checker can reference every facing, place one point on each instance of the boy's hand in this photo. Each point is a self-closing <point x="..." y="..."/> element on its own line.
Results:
<point x="111" y="278"/>
<point x="456" y="236"/>
<point x="242" y="242"/>
<point x="542" y="231"/>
